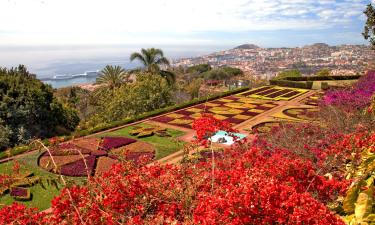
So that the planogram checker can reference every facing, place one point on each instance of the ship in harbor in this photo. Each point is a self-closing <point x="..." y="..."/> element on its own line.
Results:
<point x="67" y="76"/>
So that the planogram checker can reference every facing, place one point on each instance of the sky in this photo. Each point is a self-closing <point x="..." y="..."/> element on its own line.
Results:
<point x="71" y="36"/>
<point x="271" y="23"/>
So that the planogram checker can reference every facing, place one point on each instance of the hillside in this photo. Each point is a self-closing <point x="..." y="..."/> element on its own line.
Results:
<point x="307" y="159"/>
<point x="247" y="46"/>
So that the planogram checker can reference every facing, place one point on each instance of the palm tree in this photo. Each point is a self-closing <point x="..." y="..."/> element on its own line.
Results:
<point x="152" y="59"/>
<point x="112" y="76"/>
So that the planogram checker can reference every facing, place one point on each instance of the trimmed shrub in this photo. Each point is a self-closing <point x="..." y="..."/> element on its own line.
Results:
<point x="293" y="84"/>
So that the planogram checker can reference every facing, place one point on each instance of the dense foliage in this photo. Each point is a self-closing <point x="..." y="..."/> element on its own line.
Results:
<point x="198" y="69"/>
<point x="222" y="73"/>
<point x="355" y="97"/>
<point x="112" y="76"/>
<point x="148" y="93"/>
<point x="152" y="59"/>
<point x="369" y="30"/>
<point x="28" y="109"/>
<point x="288" y="73"/>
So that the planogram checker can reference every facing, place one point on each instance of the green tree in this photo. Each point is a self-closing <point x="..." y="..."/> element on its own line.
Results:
<point x="152" y="59"/>
<point x="193" y="88"/>
<point x="289" y="73"/>
<point x="223" y="73"/>
<point x="369" y="30"/>
<point x="29" y="109"/>
<point x="112" y="76"/>
<point x="147" y="93"/>
<point x="5" y="134"/>
<point x="323" y="72"/>
<point x="201" y="68"/>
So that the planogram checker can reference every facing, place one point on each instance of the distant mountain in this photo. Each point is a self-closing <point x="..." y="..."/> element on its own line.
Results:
<point x="319" y="45"/>
<point x="247" y="46"/>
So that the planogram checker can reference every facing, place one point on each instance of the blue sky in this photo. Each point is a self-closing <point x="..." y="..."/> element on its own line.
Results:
<point x="268" y="23"/>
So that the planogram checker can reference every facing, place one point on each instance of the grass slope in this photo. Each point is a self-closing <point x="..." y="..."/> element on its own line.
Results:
<point x="41" y="196"/>
<point x="164" y="145"/>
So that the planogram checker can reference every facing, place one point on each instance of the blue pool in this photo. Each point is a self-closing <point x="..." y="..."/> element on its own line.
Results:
<point x="221" y="135"/>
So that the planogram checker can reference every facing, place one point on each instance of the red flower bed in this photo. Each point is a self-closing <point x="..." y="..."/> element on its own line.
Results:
<point x="18" y="192"/>
<point x="78" y="168"/>
<point x="99" y="153"/>
<point x="67" y="149"/>
<point x="115" y="142"/>
<point x="137" y="156"/>
<point x="251" y="185"/>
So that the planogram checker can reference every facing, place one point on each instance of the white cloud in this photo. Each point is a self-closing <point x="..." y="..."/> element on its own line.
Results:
<point x="123" y="21"/>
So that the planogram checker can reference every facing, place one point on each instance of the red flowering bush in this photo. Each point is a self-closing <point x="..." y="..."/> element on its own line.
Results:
<point x="207" y="125"/>
<point x="252" y="185"/>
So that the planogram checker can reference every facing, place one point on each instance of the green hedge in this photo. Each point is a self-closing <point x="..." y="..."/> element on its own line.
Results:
<point x="21" y="149"/>
<point x="322" y="78"/>
<point x="293" y="84"/>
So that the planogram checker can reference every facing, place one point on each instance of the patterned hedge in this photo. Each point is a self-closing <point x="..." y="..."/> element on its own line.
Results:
<point x="115" y="142"/>
<point x="78" y="168"/>
<point x="70" y="162"/>
<point x="274" y="93"/>
<point x="234" y="109"/>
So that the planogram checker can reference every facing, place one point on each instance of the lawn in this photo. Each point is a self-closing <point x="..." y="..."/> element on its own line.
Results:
<point x="42" y="196"/>
<point x="164" y="145"/>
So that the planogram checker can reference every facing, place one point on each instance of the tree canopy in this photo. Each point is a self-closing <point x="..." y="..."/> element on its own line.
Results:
<point x="223" y="73"/>
<point x="152" y="59"/>
<point x="29" y="110"/>
<point x="112" y="76"/>
<point x="369" y="30"/>
<point x="323" y="72"/>
<point x="201" y="68"/>
<point x="289" y="73"/>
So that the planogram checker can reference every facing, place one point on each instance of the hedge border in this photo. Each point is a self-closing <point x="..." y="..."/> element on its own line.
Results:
<point x="24" y="148"/>
<point x="323" y="78"/>
<point x="295" y="82"/>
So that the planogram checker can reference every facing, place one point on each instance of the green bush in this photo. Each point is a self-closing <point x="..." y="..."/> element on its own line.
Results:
<point x="324" y="86"/>
<point x="293" y="84"/>
<point x="322" y="78"/>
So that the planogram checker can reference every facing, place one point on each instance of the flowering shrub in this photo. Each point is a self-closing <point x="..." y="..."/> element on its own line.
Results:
<point x="300" y="179"/>
<point x="356" y="97"/>
<point x="208" y="125"/>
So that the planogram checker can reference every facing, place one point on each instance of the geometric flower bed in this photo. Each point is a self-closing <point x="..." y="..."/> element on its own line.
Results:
<point x="314" y="99"/>
<point x="135" y="151"/>
<point x="16" y="185"/>
<point x="274" y="93"/>
<point x="267" y="127"/>
<point x="92" y="156"/>
<point x="233" y="109"/>
<point x="302" y="113"/>
<point x="19" y="193"/>
<point x="141" y="132"/>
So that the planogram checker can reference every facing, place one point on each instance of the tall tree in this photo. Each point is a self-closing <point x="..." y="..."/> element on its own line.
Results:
<point x="112" y="76"/>
<point x="152" y="59"/>
<point x="369" y="30"/>
<point x="28" y="108"/>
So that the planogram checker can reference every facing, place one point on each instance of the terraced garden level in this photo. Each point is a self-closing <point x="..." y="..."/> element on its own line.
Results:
<point x="233" y="109"/>
<point x="274" y="93"/>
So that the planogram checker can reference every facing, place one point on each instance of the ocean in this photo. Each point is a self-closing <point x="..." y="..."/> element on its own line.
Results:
<point x="49" y="61"/>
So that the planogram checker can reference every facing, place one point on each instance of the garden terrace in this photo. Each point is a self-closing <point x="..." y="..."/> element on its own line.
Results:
<point x="74" y="164"/>
<point x="274" y="93"/>
<point x="234" y="109"/>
